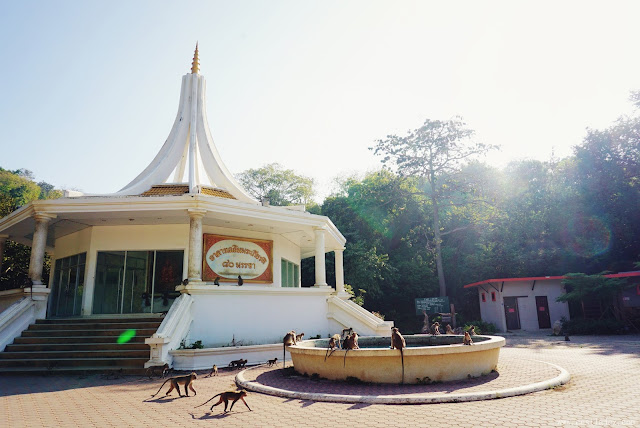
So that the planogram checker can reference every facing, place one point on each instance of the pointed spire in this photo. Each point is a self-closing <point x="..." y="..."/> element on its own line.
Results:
<point x="195" y="65"/>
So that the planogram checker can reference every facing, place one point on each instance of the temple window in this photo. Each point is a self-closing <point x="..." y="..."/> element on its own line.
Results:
<point x="290" y="274"/>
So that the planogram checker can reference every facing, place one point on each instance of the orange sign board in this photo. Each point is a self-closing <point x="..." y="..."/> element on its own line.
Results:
<point x="229" y="257"/>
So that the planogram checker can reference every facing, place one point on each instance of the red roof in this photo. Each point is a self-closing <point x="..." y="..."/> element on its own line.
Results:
<point x="541" y="278"/>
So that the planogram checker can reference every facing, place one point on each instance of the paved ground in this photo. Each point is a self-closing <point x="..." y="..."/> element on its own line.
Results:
<point x="604" y="391"/>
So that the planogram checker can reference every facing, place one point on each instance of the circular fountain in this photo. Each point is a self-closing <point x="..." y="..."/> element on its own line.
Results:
<point x="427" y="359"/>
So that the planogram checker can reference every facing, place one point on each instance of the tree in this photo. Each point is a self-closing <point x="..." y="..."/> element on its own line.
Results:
<point x="434" y="153"/>
<point x="280" y="186"/>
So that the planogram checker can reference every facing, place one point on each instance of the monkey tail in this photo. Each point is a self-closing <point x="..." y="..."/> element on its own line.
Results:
<point x="402" y="358"/>
<point x="160" y="387"/>
<point x="284" y="355"/>
<point x="326" y="354"/>
<point x="208" y="400"/>
<point x="344" y="360"/>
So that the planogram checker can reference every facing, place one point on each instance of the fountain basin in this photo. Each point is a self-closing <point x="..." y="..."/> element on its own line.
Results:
<point x="427" y="359"/>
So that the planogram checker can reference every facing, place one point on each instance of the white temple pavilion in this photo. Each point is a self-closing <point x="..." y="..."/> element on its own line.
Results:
<point x="166" y="240"/>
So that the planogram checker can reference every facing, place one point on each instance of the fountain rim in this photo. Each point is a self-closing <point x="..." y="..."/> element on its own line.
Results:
<point x="490" y="343"/>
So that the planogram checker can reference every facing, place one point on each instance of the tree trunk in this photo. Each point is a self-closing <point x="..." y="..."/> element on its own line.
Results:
<point x="437" y="238"/>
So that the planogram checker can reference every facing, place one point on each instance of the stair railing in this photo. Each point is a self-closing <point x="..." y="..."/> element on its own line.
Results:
<point x="347" y="312"/>
<point x="174" y="328"/>
<point x="15" y="319"/>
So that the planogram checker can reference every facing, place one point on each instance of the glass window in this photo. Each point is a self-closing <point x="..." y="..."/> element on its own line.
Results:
<point x="68" y="286"/>
<point x="290" y="274"/>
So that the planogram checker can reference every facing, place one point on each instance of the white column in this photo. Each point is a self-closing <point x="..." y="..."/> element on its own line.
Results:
<point x="3" y="240"/>
<point x="339" y="271"/>
<point x="195" y="244"/>
<point x="321" y="275"/>
<point x="38" y="247"/>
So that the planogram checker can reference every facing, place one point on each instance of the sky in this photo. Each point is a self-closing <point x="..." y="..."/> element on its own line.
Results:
<point x="90" y="89"/>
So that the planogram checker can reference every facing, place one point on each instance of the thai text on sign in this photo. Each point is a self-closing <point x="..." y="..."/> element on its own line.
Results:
<point x="229" y="257"/>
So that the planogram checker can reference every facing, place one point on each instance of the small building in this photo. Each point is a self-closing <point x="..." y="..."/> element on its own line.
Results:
<point x="185" y="239"/>
<point x="521" y="303"/>
<point x="525" y="303"/>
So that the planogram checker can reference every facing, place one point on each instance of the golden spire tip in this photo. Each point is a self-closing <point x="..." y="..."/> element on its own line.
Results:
<point x="195" y="65"/>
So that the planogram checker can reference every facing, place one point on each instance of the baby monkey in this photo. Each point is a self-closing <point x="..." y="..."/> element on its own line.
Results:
<point x="158" y="370"/>
<point x="176" y="381"/>
<point x="226" y="397"/>
<point x="467" y="339"/>
<point x="334" y="343"/>
<point x="299" y="337"/>
<point x="272" y="362"/>
<point x="214" y="371"/>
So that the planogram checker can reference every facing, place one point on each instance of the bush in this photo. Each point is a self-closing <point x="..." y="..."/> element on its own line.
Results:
<point x="482" y="327"/>
<point x="580" y="326"/>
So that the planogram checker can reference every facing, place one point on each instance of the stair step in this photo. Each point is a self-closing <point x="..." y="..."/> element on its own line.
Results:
<point x="91" y="320"/>
<point x="116" y="353"/>
<point x="96" y="326"/>
<point x="76" y="362"/>
<point x="146" y="332"/>
<point x="82" y="346"/>
<point x="74" y="339"/>
<point x="108" y="371"/>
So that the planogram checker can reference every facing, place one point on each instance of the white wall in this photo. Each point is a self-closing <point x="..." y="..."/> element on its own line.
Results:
<point x="257" y="318"/>
<point x="490" y="311"/>
<point x="494" y="311"/>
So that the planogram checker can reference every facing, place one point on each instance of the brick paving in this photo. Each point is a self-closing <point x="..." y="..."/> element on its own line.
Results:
<point x="604" y="391"/>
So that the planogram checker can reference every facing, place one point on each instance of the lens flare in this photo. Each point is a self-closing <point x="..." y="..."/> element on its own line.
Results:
<point x="588" y="236"/>
<point x="126" y="336"/>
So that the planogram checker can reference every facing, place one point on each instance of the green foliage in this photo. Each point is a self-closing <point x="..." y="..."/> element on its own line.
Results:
<point x="280" y="186"/>
<point x="17" y="188"/>
<point x="481" y="327"/>
<point x="580" y="286"/>
<point x="581" y="326"/>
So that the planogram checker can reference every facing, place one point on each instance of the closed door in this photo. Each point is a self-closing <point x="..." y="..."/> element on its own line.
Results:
<point x="542" y="307"/>
<point x="511" y="313"/>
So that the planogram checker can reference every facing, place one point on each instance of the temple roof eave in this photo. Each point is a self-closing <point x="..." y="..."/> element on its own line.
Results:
<point x="171" y="210"/>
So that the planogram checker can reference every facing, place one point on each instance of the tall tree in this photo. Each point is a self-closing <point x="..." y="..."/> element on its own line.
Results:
<point x="280" y="186"/>
<point x="434" y="153"/>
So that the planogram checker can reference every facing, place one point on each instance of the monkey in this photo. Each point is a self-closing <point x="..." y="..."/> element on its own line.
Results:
<point x="185" y="282"/>
<point x="240" y="282"/>
<point x="216" y="281"/>
<point x="176" y="381"/>
<point x="448" y="330"/>
<point x="398" y="342"/>
<point x="351" y="342"/>
<point x="467" y="339"/>
<point x="472" y="330"/>
<point x="226" y="397"/>
<point x="272" y="362"/>
<point x="299" y="337"/>
<point x="214" y="371"/>
<point x="435" y="328"/>
<point x="288" y="340"/>
<point x="161" y="370"/>
<point x="334" y="343"/>
<point x="346" y="332"/>
<point x="458" y="330"/>
<point x="238" y="363"/>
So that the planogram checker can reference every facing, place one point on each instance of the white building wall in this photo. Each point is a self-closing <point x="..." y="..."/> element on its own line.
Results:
<point x="257" y="319"/>
<point x="490" y="311"/>
<point x="156" y="237"/>
<point x="494" y="311"/>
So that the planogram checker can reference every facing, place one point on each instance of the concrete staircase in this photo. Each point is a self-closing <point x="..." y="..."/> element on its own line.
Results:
<point x="80" y="345"/>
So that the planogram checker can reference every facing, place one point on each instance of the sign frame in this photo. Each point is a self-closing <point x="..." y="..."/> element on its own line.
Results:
<point x="431" y="305"/>
<point x="209" y="275"/>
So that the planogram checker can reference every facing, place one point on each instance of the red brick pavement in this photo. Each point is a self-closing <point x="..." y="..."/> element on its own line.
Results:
<point x="604" y="391"/>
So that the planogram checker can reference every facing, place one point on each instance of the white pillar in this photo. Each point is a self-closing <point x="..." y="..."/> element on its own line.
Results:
<point x="339" y="271"/>
<point x="38" y="247"/>
<point x="321" y="275"/>
<point x="195" y="244"/>
<point x="3" y="240"/>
